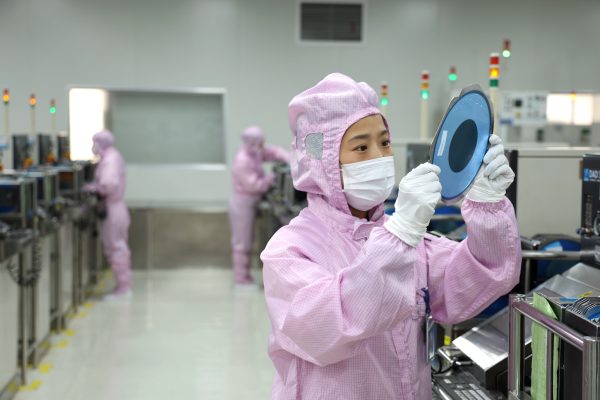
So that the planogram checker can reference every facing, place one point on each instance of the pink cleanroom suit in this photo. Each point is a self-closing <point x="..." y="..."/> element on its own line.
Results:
<point x="249" y="184"/>
<point x="110" y="181"/>
<point x="344" y="295"/>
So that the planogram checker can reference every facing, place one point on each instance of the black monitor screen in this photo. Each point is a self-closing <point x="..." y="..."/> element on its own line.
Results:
<point x="9" y="199"/>
<point x="45" y="151"/>
<point x="21" y="151"/>
<point x="64" y="149"/>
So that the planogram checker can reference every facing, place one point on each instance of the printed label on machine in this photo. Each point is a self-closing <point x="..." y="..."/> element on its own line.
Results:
<point x="591" y="175"/>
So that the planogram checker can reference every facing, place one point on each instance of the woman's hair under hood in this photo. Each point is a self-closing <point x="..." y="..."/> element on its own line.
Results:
<point x="318" y="118"/>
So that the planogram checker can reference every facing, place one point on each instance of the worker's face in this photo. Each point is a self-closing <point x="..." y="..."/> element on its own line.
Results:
<point x="256" y="148"/>
<point x="365" y="140"/>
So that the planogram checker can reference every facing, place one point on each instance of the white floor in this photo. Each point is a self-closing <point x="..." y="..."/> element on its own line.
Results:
<point x="186" y="334"/>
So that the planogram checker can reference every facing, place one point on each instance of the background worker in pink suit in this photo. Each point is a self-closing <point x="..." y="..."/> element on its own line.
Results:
<point x="110" y="181"/>
<point x="348" y="289"/>
<point x="249" y="184"/>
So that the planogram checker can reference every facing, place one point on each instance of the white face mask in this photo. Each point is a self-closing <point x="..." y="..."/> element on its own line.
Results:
<point x="368" y="183"/>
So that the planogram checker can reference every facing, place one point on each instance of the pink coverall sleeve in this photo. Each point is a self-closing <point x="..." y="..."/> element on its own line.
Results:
<point x="276" y="153"/>
<point x="465" y="278"/>
<point x="325" y="318"/>
<point x="109" y="180"/>
<point x="250" y="181"/>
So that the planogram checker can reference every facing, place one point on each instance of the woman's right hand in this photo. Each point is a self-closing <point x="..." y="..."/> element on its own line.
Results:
<point x="418" y="194"/>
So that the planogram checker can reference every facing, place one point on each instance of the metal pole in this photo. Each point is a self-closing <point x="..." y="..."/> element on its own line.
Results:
<point x="549" y="365"/>
<point x="447" y="217"/>
<point x="494" y="100"/>
<point x="527" y="286"/>
<point x="6" y="120"/>
<point x="33" y="308"/>
<point x="515" y="346"/>
<point x="75" y="265"/>
<point x="33" y="120"/>
<point x="591" y="368"/>
<point x="424" y="119"/>
<point x="23" y="321"/>
<point x="61" y="326"/>
<point x="504" y="132"/>
<point x="553" y="255"/>
<point x="383" y="110"/>
<point x="569" y="335"/>
<point x="590" y="346"/>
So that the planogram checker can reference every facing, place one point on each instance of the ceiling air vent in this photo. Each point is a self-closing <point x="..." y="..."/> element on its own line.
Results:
<point x="331" y="22"/>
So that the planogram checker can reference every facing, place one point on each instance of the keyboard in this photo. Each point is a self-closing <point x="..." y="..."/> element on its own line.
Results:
<point x="460" y="385"/>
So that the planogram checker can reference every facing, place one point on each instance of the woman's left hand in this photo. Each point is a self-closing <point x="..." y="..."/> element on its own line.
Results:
<point x="495" y="176"/>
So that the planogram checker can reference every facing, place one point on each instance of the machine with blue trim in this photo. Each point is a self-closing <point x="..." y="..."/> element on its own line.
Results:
<point x="567" y="266"/>
<point x="18" y="200"/>
<point x="18" y="225"/>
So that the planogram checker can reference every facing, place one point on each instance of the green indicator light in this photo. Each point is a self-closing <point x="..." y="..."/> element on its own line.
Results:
<point x="452" y="77"/>
<point x="506" y="53"/>
<point x="424" y="94"/>
<point x="384" y="101"/>
<point x="52" y="110"/>
<point x="494" y="83"/>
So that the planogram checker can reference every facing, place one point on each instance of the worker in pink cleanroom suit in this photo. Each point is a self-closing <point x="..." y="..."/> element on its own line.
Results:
<point x="110" y="181"/>
<point x="348" y="290"/>
<point x="249" y="184"/>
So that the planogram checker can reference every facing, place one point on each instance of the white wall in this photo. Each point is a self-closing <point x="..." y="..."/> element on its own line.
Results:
<point x="204" y="188"/>
<point x="249" y="47"/>
<point x="549" y="190"/>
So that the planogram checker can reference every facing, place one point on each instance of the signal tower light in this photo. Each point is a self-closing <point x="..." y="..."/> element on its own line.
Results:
<point x="52" y="106"/>
<point x="452" y="74"/>
<point x="32" y="100"/>
<point x="424" y="85"/>
<point x="384" y="95"/>
<point x="494" y="70"/>
<point x="506" y="48"/>
<point x="6" y="97"/>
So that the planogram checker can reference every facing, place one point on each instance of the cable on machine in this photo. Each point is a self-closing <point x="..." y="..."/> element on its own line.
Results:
<point x="36" y="261"/>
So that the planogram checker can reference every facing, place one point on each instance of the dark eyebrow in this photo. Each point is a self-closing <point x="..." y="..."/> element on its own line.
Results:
<point x="366" y="136"/>
<point x="363" y="136"/>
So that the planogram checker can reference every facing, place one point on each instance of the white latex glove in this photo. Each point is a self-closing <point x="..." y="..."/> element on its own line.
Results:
<point x="494" y="177"/>
<point x="418" y="194"/>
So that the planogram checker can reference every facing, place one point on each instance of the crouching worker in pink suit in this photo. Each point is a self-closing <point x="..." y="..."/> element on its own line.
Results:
<point x="249" y="184"/>
<point x="348" y="289"/>
<point x="109" y="183"/>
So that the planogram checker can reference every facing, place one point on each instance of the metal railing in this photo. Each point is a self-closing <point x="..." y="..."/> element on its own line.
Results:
<point x="529" y="255"/>
<point x="520" y="308"/>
